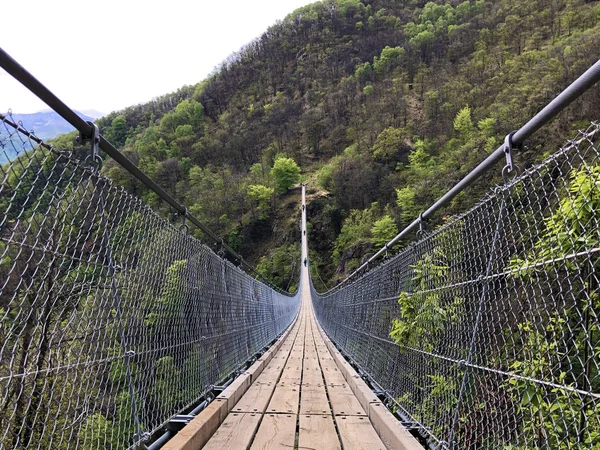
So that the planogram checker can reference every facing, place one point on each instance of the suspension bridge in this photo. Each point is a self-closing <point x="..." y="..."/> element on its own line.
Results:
<point x="120" y="329"/>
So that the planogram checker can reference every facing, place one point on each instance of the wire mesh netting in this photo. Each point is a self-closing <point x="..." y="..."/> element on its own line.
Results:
<point x="485" y="333"/>
<point x="112" y="319"/>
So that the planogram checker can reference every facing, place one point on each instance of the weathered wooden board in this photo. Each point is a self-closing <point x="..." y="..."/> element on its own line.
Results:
<point x="276" y="431"/>
<point x="357" y="433"/>
<point x="344" y="402"/>
<point x="317" y="432"/>
<point x="285" y="399"/>
<point x="236" y="432"/>
<point x="314" y="400"/>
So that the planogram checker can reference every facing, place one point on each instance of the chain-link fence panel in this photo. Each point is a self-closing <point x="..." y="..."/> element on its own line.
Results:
<point x="112" y="319"/>
<point x="485" y="333"/>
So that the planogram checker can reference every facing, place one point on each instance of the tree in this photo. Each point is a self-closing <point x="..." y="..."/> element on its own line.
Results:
<point x="389" y="143"/>
<point x="383" y="231"/>
<point x="285" y="174"/>
<point x="406" y="202"/>
<point x="463" y="123"/>
<point x="118" y="131"/>
<point x="389" y="56"/>
<point x="356" y="229"/>
<point x="262" y="197"/>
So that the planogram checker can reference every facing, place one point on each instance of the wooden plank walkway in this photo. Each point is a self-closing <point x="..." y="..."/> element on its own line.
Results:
<point x="301" y="400"/>
<point x="301" y="394"/>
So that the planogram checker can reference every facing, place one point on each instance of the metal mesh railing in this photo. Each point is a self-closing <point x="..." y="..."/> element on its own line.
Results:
<point x="485" y="333"/>
<point x="112" y="319"/>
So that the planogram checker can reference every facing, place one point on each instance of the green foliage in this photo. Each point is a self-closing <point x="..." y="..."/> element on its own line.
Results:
<point x="285" y="174"/>
<point x="551" y="415"/>
<point x="463" y="123"/>
<point x="426" y="313"/>
<point x="118" y="132"/>
<point x="363" y="71"/>
<point x="368" y="90"/>
<point x="95" y="433"/>
<point x="356" y="229"/>
<point x="262" y="196"/>
<point x="405" y="199"/>
<point x="568" y="229"/>
<point x="166" y="309"/>
<point x="389" y="143"/>
<point x="349" y="8"/>
<point x="325" y="176"/>
<point x="184" y="130"/>
<point x="165" y="393"/>
<point x="282" y="266"/>
<point x="419" y="158"/>
<point x="383" y="231"/>
<point x="188" y="112"/>
<point x="388" y="58"/>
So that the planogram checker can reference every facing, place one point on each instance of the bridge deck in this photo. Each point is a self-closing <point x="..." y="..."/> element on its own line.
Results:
<point x="301" y="394"/>
<point x="300" y="400"/>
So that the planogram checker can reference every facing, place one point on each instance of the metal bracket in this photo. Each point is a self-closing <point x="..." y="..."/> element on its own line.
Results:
<point x="177" y="422"/>
<point x="95" y="140"/>
<point x="221" y="252"/>
<point x="508" y="153"/>
<point x="421" y="228"/>
<point x="184" y="226"/>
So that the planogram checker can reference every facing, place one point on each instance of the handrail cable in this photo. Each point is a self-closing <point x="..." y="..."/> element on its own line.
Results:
<point x="86" y="129"/>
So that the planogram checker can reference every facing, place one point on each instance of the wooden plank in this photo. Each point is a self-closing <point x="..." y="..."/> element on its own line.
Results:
<point x="235" y="390"/>
<point x="390" y="430"/>
<point x="312" y="373"/>
<point x="293" y="365"/>
<point x="270" y="375"/>
<point x="317" y="432"/>
<point x="333" y="377"/>
<point x="311" y="360"/>
<point x="276" y="431"/>
<point x="285" y="400"/>
<point x="311" y="367"/>
<point x="314" y="400"/>
<point x="291" y="376"/>
<point x="344" y="402"/>
<point x="236" y="432"/>
<point x="256" y="398"/>
<point x="312" y="377"/>
<point x="357" y="433"/>
<point x="197" y="433"/>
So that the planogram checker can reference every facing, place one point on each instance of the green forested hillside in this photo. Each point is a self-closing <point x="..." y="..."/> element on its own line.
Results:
<point x="382" y="104"/>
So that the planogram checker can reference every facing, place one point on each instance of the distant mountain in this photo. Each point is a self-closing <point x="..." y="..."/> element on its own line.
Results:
<point x="45" y="125"/>
<point x="93" y="113"/>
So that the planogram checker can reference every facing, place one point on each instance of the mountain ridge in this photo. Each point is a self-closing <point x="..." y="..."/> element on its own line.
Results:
<point x="384" y="106"/>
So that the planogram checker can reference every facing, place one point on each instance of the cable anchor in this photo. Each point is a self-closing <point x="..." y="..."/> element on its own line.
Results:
<point x="184" y="226"/>
<point x="509" y="147"/>
<point x="221" y="252"/>
<point x="421" y="227"/>
<point x="95" y="143"/>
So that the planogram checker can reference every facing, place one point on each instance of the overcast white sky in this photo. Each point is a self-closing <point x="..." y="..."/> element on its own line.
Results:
<point x="109" y="54"/>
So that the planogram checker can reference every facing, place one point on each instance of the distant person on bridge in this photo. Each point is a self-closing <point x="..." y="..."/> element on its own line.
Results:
<point x="304" y="262"/>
